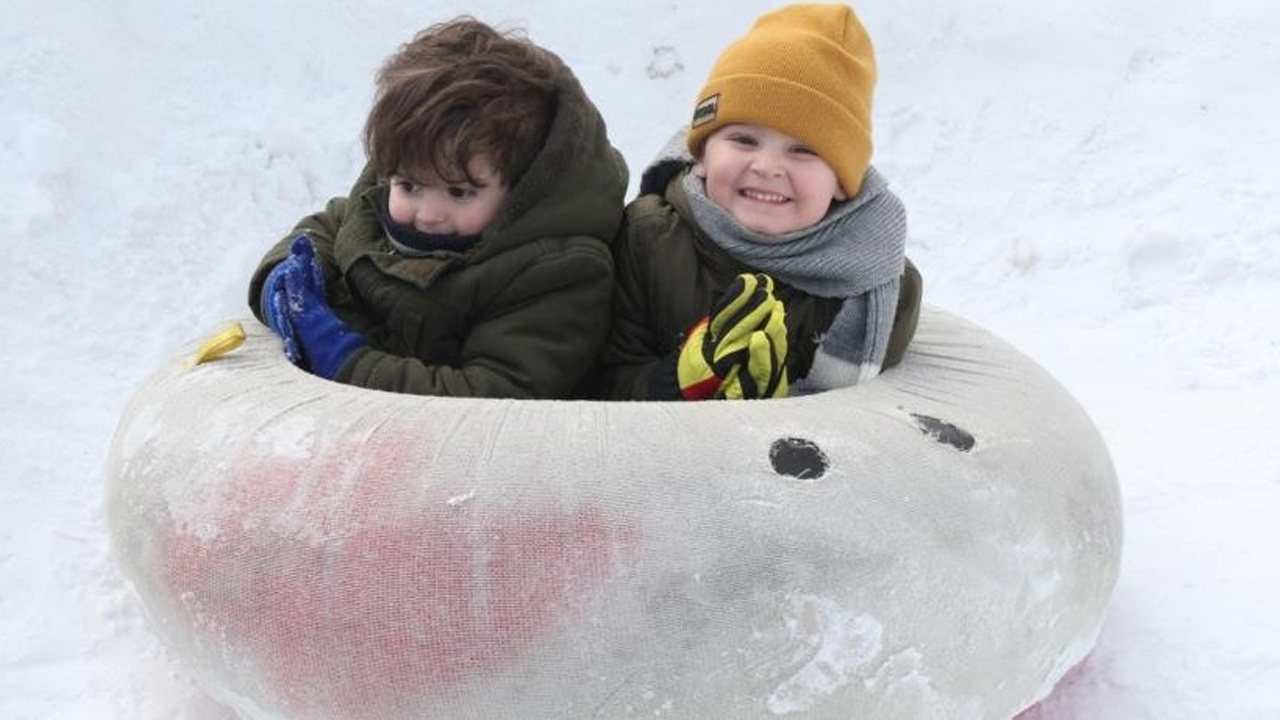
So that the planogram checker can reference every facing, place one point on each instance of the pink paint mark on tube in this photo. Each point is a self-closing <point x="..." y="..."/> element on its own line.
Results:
<point x="399" y="601"/>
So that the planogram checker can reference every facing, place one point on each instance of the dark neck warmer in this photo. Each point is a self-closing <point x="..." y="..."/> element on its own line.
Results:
<point x="411" y="242"/>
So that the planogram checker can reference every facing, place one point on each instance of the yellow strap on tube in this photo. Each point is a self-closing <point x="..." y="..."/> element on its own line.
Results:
<point x="221" y="343"/>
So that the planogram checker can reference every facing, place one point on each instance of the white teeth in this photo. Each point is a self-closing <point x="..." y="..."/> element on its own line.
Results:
<point x="764" y="196"/>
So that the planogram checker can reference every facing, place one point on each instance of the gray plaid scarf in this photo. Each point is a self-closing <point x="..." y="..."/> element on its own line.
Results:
<point x="856" y="252"/>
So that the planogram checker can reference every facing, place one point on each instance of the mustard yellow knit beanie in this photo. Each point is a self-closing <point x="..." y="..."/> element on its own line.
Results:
<point x="805" y="70"/>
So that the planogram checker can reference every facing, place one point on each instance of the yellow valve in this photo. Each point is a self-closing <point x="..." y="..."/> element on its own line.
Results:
<point x="223" y="342"/>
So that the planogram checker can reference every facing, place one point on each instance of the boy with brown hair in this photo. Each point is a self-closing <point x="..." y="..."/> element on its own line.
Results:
<point x="470" y="257"/>
<point x="765" y="256"/>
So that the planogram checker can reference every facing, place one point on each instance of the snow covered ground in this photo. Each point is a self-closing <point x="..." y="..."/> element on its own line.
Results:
<point x="1097" y="181"/>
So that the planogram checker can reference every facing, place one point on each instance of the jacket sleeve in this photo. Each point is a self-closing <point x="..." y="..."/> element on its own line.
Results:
<point x="322" y="227"/>
<point x="907" y="315"/>
<point x="537" y="337"/>
<point x="633" y="361"/>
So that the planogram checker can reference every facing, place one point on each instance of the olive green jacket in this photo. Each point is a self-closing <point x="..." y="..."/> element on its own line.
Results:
<point x="669" y="274"/>
<point x="522" y="314"/>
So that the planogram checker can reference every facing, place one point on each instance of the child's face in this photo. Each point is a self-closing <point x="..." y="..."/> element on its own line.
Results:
<point x="433" y="206"/>
<point x="769" y="181"/>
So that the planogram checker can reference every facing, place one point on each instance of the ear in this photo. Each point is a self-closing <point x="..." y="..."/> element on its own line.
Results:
<point x="840" y="195"/>
<point x="700" y="170"/>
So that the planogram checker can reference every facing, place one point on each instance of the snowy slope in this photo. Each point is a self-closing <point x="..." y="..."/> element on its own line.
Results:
<point x="1096" y="181"/>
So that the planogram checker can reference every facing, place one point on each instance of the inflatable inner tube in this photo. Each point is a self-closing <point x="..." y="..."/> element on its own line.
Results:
<point x="938" y="543"/>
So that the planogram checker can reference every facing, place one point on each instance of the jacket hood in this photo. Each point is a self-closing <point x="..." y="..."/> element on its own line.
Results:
<point x="573" y="188"/>
<point x="575" y="184"/>
<point x="671" y="160"/>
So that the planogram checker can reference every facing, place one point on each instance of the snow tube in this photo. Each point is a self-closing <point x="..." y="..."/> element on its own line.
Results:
<point x="939" y="543"/>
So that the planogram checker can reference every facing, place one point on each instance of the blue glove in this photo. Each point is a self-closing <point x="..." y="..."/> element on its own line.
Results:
<point x="326" y="341"/>
<point x="301" y="263"/>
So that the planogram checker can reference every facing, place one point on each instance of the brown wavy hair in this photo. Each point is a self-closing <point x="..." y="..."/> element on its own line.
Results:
<point x="459" y="90"/>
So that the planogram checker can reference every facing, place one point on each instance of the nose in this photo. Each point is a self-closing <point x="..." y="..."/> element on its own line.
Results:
<point x="429" y="215"/>
<point x="766" y="164"/>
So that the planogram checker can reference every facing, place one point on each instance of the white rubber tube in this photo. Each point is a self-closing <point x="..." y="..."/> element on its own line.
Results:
<point x="938" y="543"/>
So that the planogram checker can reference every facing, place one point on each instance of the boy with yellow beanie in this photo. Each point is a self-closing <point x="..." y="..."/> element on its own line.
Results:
<point x="765" y="256"/>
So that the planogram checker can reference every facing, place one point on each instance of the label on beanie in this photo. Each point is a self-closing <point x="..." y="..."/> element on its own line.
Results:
<point x="705" y="112"/>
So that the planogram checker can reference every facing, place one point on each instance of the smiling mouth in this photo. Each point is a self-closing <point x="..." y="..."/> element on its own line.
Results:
<point x="771" y="198"/>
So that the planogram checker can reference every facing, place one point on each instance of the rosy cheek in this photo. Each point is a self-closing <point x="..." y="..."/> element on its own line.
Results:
<point x="400" y="210"/>
<point x="475" y="221"/>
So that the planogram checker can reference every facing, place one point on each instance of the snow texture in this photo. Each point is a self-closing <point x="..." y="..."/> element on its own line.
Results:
<point x="1094" y="181"/>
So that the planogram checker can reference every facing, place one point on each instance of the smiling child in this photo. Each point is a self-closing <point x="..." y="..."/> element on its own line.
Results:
<point x="765" y="256"/>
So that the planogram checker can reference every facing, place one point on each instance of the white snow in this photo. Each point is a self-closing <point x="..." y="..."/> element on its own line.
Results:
<point x="1097" y="181"/>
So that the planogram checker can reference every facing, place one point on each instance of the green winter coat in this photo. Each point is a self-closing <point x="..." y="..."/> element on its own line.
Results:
<point x="668" y="274"/>
<point x="522" y="314"/>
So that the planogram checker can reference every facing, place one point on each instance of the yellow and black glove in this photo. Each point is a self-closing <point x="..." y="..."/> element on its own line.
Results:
<point x="739" y="350"/>
<point x="764" y="374"/>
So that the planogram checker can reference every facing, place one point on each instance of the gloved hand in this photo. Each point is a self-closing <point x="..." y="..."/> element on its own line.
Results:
<point x="326" y="342"/>
<point x="301" y="263"/>
<point x="765" y="373"/>
<point x="739" y="350"/>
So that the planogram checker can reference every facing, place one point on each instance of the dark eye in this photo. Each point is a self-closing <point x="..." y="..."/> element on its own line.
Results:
<point x="459" y="192"/>
<point x="743" y="140"/>
<point x="802" y="150"/>
<point x="404" y="185"/>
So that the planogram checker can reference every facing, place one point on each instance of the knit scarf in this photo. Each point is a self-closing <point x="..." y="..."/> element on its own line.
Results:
<point x="855" y="252"/>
